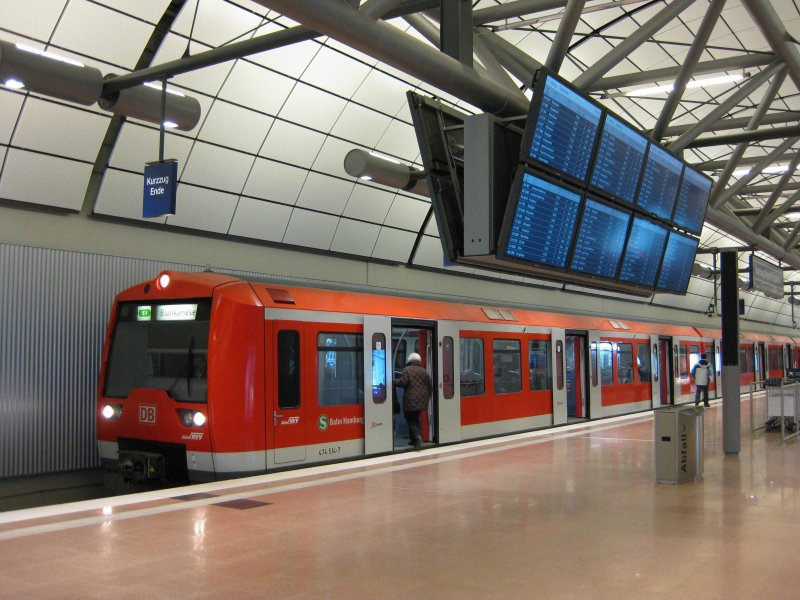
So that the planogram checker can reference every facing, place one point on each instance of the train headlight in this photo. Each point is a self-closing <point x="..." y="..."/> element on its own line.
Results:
<point x="111" y="411"/>
<point x="162" y="281"/>
<point x="192" y="418"/>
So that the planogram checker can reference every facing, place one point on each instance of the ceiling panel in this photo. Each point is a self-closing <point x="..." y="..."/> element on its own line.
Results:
<point x="115" y="198"/>
<point x="394" y="244"/>
<point x="152" y="10"/>
<point x="235" y="127"/>
<point x="10" y="107"/>
<point x="312" y="107"/>
<point x="335" y="72"/>
<point x="63" y="187"/>
<point x="217" y="168"/>
<point x="257" y="88"/>
<point x="369" y="204"/>
<point x="290" y="60"/>
<point x="58" y="129"/>
<point x="200" y="208"/>
<point x="361" y="125"/>
<point x="310" y="229"/>
<point x="37" y="18"/>
<point x="326" y="194"/>
<point x="207" y="80"/>
<point x="429" y="253"/>
<point x="217" y="23"/>
<point x="383" y="92"/>
<point x="275" y="181"/>
<point x="353" y="237"/>
<point x="292" y="144"/>
<point x="119" y="41"/>
<point x="407" y="213"/>
<point x="330" y="159"/>
<point x="260" y="220"/>
<point x="400" y="140"/>
<point x="138" y="145"/>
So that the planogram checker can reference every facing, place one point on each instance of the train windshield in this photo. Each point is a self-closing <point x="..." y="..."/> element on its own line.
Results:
<point x="160" y="346"/>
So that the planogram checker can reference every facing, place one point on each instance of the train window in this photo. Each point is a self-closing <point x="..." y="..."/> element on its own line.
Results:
<point x="709" y="352"/>
<point x="751" y="359"/>
<point x="643" y="362"/>
<point x="288" y="369"/>
<point x="378" y="368"/>
<point x="152" y="348"/>
<point x="594" y="363"/>
<point x="507" y="366"/>
<point x="448" y="368"/>
<point x="625" y="363"/>
<point x="606" y="365"/>
<point x="541" y="372"/>
<point x="340" y="360"/>
<point x="694" y="356"/>
<point x="744" y="367"/>
<point x="683" y="363"/>
<point x="472" y="369"/>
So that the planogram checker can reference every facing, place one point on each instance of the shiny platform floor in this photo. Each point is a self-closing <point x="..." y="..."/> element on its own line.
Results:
<point x="572" y="513"/>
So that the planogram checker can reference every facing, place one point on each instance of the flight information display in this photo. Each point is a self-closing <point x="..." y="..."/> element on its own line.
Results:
<point x="643" y="253"/>
<point x="662" y="174"/>
<point x="565" y="129"/>
<point x="619" y="160"/>
<point x="690" y="209"/>
<point x="543" y="223"/>
<point x="601" y="238"/>
<point x="677" y="264"/>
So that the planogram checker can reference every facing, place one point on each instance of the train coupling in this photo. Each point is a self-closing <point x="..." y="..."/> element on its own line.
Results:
<point x="141" y="466"/>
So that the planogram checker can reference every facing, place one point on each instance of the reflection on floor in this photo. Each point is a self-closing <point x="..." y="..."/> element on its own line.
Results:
<point x="567" y="513"/>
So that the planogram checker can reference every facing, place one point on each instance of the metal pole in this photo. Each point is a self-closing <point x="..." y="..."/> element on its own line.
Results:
<point x="731" y="426"/>
<point x="162" y="126"/>
<point x="566" y="29"/>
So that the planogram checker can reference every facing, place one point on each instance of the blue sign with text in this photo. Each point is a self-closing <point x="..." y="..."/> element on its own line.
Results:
<point x="160" y="188"/>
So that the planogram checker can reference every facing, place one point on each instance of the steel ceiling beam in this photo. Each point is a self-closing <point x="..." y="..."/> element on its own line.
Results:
<point x="511" y="64"/>
<point x="503" y="47"/>
<point x="393" y="47"/>
<point x="747" y="161"/>
<point x="780" y="41"/>
<point x="747" y="88"/>
<point x="767" y="215"/>
<point x="624" y="49"/>
<point x="737" y="123"/>
<point x="566" y="29"/>
<point x="755" y="211"/>
<point x="763" y="189"/>
<point x="510" y="10"/>
<point x="689" y="63"/>
<point x="670" y="73"/>
<point x="757" y="135"/>
<point x="755" y="121"/>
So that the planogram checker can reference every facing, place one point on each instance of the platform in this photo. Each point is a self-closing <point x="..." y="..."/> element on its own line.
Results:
<point x="568" y="513"/>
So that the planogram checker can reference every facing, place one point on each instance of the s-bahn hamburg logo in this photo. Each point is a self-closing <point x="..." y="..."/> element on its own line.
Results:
<point x="322" y="422"/>
<point x="147" y="414"/>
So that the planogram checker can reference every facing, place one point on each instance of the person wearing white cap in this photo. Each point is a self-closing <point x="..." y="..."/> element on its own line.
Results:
<point x="418" y="388"/>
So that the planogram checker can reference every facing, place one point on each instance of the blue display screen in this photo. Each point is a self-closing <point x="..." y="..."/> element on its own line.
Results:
<point x="677" y="265"/>
<point x="643" y="253"/>
<point x="662" y="174"/>
<point x="601" y="238"/>
<point x="619" y="160"/>
<point x="690" y="210"/>
<point x="378" y="374"/>
<point x="543" y="224"/>
<point x="565" y="130"/>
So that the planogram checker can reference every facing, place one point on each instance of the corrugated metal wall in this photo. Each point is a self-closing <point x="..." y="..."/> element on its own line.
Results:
<point x="54" y="307"/>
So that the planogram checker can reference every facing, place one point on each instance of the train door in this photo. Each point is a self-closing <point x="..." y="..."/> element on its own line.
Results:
<point x="665" y="370"/>
<point x="576" y="367"/>
<point x="761" y="362"/>
<point x="409" y="337"/>
<point x="378" y="396"/>
<point x="449" y="407"/>
<point x="560" y="413"/>
<point x="655" y="370"/>
<point x="288" y="426"/>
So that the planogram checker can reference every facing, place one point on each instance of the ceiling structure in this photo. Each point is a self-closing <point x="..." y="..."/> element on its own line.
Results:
<point x="286" y="89"/>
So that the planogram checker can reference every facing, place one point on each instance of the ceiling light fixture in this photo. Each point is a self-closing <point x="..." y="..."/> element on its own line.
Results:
<point x="768" y="170"/>
<point x="144" y="102"/>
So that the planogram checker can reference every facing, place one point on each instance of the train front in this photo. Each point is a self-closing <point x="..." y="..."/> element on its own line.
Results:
<point x="156" y="404"/>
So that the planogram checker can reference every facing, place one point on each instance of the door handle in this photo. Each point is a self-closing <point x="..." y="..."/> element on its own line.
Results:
<point x="275" y="417"/>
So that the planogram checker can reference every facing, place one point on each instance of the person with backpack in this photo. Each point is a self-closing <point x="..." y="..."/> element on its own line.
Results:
<point x="701" y="373"/>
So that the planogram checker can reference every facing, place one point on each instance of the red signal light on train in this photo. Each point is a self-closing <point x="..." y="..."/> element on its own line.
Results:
<point x="162" y="281"/>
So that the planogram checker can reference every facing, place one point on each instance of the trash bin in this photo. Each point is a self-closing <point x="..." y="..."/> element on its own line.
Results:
<point x="678" y="436"/>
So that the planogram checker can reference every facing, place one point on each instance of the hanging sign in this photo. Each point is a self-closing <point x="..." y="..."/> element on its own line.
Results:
<point x="160" y="188"/>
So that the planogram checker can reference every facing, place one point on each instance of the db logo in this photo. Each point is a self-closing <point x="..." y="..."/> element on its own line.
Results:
<point x="147" y="414"/>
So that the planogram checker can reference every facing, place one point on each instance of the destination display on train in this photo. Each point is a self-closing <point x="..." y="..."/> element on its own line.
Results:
<point x="643" y="253"/>
<point x="600" y="240"/>
<point x="662" y="174"/>
<point x="690" y="209"/>
<point x="543" y="222"/>
<point x="677" y="264"/>
<point x="565" y="130"/>
<point x="619" y="159"/>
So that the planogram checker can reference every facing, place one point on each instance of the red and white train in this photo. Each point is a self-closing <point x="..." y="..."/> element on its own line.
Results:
<point x="206" y="376"/>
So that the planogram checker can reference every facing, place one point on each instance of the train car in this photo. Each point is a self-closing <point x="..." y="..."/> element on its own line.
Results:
<point x="207" y="376"/>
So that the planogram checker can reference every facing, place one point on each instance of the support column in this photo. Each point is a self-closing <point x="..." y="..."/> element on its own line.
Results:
<point x="731" y="418"/>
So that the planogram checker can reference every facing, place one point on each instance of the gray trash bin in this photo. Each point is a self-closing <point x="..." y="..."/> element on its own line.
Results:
<point x="678" y="436"/>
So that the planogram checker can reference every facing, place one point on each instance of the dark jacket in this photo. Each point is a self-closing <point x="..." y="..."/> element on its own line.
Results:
<point x="418" y="385"/>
